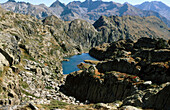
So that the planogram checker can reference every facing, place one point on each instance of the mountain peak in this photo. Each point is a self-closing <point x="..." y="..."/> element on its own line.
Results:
<point x="11" y="1"/>
<point x="87" y="3"/>
<point x="156" y="6"/>
<point x="57" y="3"/>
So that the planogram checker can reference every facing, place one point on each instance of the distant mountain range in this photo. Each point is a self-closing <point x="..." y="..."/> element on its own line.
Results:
<point x="156" y="6"/>
<point x="90" y="10"/>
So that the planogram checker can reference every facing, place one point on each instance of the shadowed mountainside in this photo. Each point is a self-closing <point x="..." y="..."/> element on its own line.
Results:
<point x="131" y="27"/>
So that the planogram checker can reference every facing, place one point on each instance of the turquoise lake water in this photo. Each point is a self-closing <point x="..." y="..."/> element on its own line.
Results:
<point x="71" y="65"/>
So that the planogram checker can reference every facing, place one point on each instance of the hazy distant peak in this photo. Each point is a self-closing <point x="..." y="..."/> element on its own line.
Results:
<point x="57" y="3"/>
<point x="153" y="3"/>
<point x="156" y="6"/>
<point x="77" y="3"/>
<point x="11" y="1"/>
<point x="126" y="3"/>
<point x="42" y="4"/>
<point x="88" y="0"/>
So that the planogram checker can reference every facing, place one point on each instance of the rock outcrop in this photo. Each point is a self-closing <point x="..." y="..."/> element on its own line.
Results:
<point x="140" y="80"/>
<point x="98" y="87"/>
<point x="150" y="62"/>
<point x="155" y="98"/>
<point x="126" y="65"/>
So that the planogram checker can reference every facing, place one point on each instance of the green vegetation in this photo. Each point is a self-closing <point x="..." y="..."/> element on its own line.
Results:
<point x="0" y="73"/>
<point x="161" y="43"/>
<point x="1" y="89"/>
<point x="18" y="22"/>
<point x="51" y="52"/>
<point x="48" y="87"/>
<point x="43" y="56"/>
<point x="28" y="94"/>
<point x="1" y="81"/>
<point x="55" y="104"/>
<point x="31" y="58"/>
<point x="8" y="12"/>
<point x="40" y="38"/>
<point x="1" y="76"/>
<point x="4" y="46"/>
<point x="97" y="106"/>
<point x="23" y="84"/>
<point x="26" y="55"/>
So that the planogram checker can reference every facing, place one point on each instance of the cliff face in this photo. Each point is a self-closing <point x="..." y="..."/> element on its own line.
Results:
<point x="135" y="72"/>
<point x="97" y="87"/>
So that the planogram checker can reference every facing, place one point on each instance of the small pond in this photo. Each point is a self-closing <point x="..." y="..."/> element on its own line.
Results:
<point x="71" y="65"/>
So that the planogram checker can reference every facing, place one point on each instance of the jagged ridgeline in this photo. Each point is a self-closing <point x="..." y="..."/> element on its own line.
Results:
<point x="31" y="50"/>
<point x="131" y="27"/>
<point x="89" y="10"/>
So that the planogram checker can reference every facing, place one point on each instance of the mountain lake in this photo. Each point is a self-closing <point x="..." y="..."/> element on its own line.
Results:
<point x="71" y="65"/>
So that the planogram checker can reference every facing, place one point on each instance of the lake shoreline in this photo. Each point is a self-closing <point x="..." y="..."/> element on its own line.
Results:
<point x="71" y="65"/>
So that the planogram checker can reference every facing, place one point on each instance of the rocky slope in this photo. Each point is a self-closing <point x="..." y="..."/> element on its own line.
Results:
<point x="128" y="27"/>
<point x="107" y="29"/>
<point x="156" y="6"/>
<point x="136" y="73"/>
<point x="87" y="10"/>
<point x="31" y="54"/>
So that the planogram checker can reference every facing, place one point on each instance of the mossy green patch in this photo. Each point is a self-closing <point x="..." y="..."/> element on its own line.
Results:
<point x="48" y="87"/>
<point x="25" y="55"/>
<point x="23" y="84"/>
<point x="55" y="104"/>
<point x="1" y="73"/>
<point x="28" y="94"/>
<point x="1" y="90"/>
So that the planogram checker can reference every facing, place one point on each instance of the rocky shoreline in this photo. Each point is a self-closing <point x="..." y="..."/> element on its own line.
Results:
<point x="135" y="73"/>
